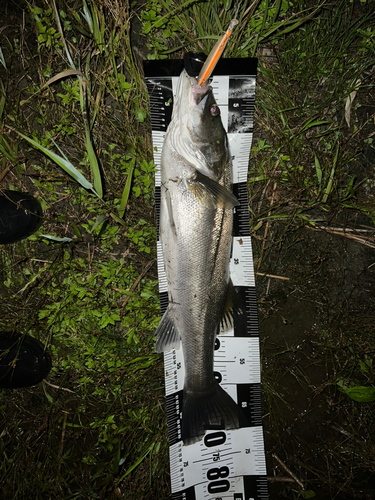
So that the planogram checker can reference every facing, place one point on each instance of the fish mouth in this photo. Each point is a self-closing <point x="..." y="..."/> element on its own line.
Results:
<point x="198" y="92"/>
<point x="199" y="97"/>
<point x="194" y="93"/>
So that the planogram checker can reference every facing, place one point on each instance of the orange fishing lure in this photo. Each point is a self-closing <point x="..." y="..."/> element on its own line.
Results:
<point x="215" y="54"/>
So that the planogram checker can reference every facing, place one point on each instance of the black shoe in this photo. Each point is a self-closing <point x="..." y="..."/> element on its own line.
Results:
<point x="23" y="361"/>
<point x="20" y="216"/>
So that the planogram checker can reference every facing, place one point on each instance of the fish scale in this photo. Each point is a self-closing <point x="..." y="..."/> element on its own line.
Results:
<point x="200" y="275"/>
<point x="237" y="360"/>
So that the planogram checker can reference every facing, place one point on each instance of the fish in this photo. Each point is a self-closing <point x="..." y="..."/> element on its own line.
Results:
<point x="195" y="232"/>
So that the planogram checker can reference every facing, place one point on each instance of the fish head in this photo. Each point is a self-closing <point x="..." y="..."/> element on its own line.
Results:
<point x="202" y="137"/>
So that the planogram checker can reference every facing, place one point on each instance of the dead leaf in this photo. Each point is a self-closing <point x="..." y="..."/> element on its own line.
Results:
<point x="349" y="101"/>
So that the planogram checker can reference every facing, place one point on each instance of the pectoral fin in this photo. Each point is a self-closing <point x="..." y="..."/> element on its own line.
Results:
<point x="200" y="185"/>
<point x="234" y="310"/>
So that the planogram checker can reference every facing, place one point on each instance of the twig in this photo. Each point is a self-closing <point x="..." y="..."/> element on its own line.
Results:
<point x="272" y="276"/>
<point x="5" y="171"/>
<point x="288" y="471"/>
<point x="62" y="435"/>
<point x="269" y="213"/>
<point x="347" y="229"/>
<point x="91" y="257"/>
<point x="341" y="232"/>
<point x="58" y="387"/>
<point x="267" y="225"/>
<point x="279" y="479"/>
<point x="134" y="285"/>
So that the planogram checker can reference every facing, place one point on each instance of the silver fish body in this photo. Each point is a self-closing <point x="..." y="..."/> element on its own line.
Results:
<point x="196" y="220"/>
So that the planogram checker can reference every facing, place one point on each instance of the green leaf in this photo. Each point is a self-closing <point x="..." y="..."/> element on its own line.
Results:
<point x="318" y="170"/>
<point x="361" y="393"/>
<point x="76" y="231"/>
<point x="100" y="219"/>
<point x="140" y="115"/>
<point x="49" y="398"/>
<point x="307" y="494"/>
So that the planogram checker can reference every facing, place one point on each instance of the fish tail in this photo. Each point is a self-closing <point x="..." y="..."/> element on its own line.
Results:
<point x="215" y="411"/>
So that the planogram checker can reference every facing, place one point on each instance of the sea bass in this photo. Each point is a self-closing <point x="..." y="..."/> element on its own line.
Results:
<point x="196" y="219"/>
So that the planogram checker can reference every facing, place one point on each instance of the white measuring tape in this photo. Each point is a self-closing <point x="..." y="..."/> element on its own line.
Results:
<point x="225" y="464"/>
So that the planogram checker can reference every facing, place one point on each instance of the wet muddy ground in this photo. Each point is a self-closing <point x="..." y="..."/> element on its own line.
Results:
<point x="316" y="326"/>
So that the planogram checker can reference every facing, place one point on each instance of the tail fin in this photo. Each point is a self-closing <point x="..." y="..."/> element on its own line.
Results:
<point x="213" y="411"/>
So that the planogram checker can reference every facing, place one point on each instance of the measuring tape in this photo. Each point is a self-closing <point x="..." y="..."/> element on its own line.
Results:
<point x="225" y="464"/>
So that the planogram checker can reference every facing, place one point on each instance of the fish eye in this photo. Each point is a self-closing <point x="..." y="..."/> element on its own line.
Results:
<point x="215" y="110"/>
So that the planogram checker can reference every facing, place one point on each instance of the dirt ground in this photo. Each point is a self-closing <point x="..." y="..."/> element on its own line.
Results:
<point x="317" y="312"/>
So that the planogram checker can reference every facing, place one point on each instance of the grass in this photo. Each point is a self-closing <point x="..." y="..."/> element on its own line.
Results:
<point x="75" y="132"/>
<point x="301" y="104"/>
<point x="86" y="283"/>
<point x="193" y="25"/>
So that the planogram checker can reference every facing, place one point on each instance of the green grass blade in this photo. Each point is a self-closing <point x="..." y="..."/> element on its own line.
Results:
<point x="219" y="26"/>
<point x="87" y="16"/>
<point x="2" y="99"/>
<point x="350" y="189"/>
<point x="99" y="220"/>
<point x="2" y="59"/>
<point x="260" y="37"/>
<point x="117" y="219"/>
<point x="277" y="10"/>
<point x="97" y="176"/>
<point x="318" y="169"/>
<point x="181" y="7"/>
<point x="77" y="232"/>
<point x="58" y="22"/>
<point x="6" y="150"/>
<point x="290" y="24"/>
<point x="139" y="461"/>
<point x="329" y="185"/>
<point x="126" y="192"/>
<point x="311" y="122"/>
<point x="63" y="163"/>
<point x="328" y="188"/>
